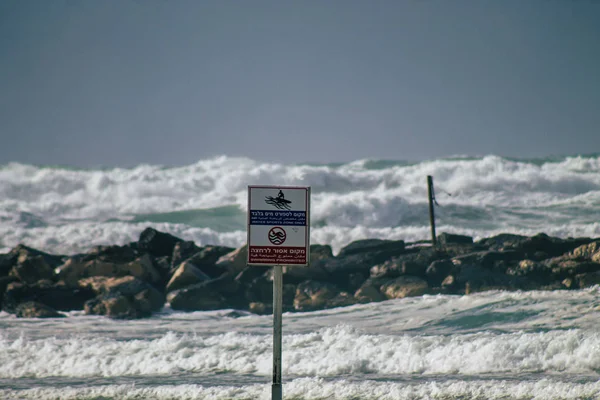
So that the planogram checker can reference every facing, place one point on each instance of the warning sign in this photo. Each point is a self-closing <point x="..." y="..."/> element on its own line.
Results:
<point x="278" y="225"/>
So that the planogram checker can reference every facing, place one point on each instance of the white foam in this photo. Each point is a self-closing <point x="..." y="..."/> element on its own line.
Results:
<point x="330" y="351"/>
<point x="351" y="201"/>
<point x="319" y="389"/>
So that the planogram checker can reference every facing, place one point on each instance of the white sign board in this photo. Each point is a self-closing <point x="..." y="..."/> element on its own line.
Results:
<point x="278" y="225"/>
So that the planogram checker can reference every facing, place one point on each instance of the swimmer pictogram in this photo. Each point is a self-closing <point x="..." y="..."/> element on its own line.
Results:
<point x="279" y="202"/>
<point x="277" y="236"/>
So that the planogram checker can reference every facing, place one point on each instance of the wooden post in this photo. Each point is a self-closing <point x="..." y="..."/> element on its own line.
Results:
<point x="431" y="213"/>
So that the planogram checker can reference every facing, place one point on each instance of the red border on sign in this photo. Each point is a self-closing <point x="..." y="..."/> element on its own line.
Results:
<point x="280" y="255"/>
<point x="254" y="260"/>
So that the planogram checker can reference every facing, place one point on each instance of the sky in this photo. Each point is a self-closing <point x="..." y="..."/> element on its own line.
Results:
<point x="127" y="82"/>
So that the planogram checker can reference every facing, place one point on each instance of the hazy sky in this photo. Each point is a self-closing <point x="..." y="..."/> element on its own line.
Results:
<point x="101" y="83"/>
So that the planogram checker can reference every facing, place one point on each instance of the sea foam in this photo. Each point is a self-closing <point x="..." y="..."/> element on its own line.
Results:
<point x="480" y="197"/>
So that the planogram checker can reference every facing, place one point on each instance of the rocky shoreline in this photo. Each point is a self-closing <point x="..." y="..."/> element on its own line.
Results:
<point x="139" y="278"/>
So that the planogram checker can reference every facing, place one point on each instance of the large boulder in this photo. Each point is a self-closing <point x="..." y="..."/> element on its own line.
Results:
<point x="122" y="298"/>
<point x="438" y="270"/>
<point x="214" y="294"/>
<point x="368" y="293"/>
<point x="4" y="282"/>
<point x="6" y="264"/>
<point x="351" y="267"/>
<point x="314" y="295"/>
<point x="567" y="267"/>
<point x="157" y="243"/>
<point x="502" y="241"/>
<point x="26" y="252"/>
<point x="588" y="279"/>
<point x="182" y="251"/>
<point x="551" y="246"/>
<point x="32" y="268"/>
<point x="493" y="260"/>
<point x="56" y="295"/>
<point x="234" y="262"/>
<point x="414" y="263"/>
<point x="391" y="247"/>
<point x="32" y="309"/>
<point x="404" y="286"/>
<point x="187" y="274"/>
<point x="474" y="278"/>
<point x="206" y="260"/>
<point x="112" y="254"/>
<point x="74" y="270"/>
<point x="590" y="251"/>
<point x="446" y="239"/>
<point x="320" y="252"/>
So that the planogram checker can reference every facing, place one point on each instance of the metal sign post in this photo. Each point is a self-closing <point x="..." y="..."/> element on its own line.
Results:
<point x="278" y="235"/>
<point x="276" y="389"/>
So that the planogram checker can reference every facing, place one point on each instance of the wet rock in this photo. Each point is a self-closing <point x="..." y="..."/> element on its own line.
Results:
<point x="32" y="268"/>
<point x="449" y="283"/>
<point x="223" y="292"/>
<point x="182" y="251"/>
<point x="368" y="294"/>
<point x="261" y="308"/>
<point x="314" y="295"/>
<point x="565" y="266"/>
<point x="199" y="297"/>
<point x="404" y="286"/>
<point x="501" y="242"/>
<point x="358" y="258"/>
<point x="113" y="254"/>
<point x="234" y="262"/>
<point x="473" y="278"/>
<point x="320" y="252"/>
<point x="296" y="274"/>
<point x="445" y="239"/>
<point x="415" y="263"/>
<point x="6" y="264"/>
<point x="206" y="260"/>
<point x="590" y="251"/>
<point x="588" y="279"/>
<point x="187" y="274"/>
<point x="391" y="247"/>
<point x="159" y="244"/>
<point x="552" y="246"/>
<point x="32" y="309"/>
<point x="56" y="295"/>
<point x="438" y="270"/>
<point x="249" y="274"/>
<point x="4" y="282"/>
<point x="122" y="298"/>
<point x="74" y="270"/>
<point x="113" y="306"/>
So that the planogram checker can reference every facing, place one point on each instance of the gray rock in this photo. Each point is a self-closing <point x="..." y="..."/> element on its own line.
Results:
<point x="392" y="247"/>
<point x="187" y="274"/>
<point x="445" y="239"/>
<point x="32" y="268"/>
<point x="75" y="269"/>
<point x="122" y="298"/>
<point x="32" y="309"/>
<point x="55" y="295"/>
<point x="314" y="295"/>
<point x="157" y="243"/>
<point x="404" y="286"/>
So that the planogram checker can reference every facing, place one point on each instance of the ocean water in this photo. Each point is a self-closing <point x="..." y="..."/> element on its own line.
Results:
<point x="69" y="210"/>
<point x="492" y="345"/>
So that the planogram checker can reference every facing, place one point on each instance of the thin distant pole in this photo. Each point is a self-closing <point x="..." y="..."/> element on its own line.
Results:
<point x="431" y="213"/>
